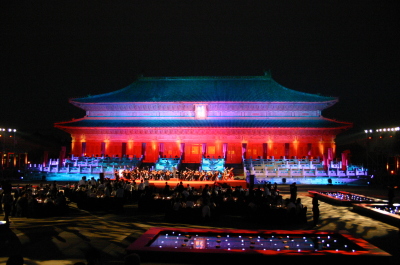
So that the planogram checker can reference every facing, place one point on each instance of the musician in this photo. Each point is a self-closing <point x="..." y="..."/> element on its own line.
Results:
<point x="126" y="174"/>
<point x="225" y="174"/>
<point x="202" y="175"/>
<point x="153" y="174"/>
<point x="182" y="175"/>
<point x="167" y="175"/>
<point x="216" y="175"/>
<point x="190" y="174"/>
<point x="230" y="173"/>
<point x="175" y="172"/>
<point x="131" y="174"/>
<point x="196" y="175"/>
<point x="145" y="175"/>
<point x="160" y="175"/>
<point x="209" y="175"/>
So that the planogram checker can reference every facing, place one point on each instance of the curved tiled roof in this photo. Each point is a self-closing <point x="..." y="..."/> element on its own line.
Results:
<point x="279" y="123"/>
<point x="204" y="89"/>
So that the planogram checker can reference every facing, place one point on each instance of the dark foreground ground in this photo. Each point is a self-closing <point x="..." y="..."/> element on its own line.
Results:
<point x="69" y="238"/>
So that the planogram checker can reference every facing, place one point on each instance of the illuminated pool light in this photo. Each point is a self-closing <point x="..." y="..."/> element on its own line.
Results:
<point x="299" y="241"/>
<point x="247" y="244"/>
<point x="343" y="197"/>
<point x="380" y="211"/>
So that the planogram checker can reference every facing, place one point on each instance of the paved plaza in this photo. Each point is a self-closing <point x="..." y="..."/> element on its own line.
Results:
<point x="70" y="238"/>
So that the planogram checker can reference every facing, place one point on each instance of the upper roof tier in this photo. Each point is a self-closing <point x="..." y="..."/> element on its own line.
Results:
<point x="192" y="123"/>
<point x="204" y="89"/>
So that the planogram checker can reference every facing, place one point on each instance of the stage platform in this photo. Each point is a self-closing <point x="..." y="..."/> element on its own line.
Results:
<point x="197" y="184"/>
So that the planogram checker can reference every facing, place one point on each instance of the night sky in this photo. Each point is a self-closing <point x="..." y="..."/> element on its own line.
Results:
<point x="51" y="51"/>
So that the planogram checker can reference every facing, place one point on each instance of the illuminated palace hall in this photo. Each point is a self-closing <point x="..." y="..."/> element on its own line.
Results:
<point x="250" y="124"/>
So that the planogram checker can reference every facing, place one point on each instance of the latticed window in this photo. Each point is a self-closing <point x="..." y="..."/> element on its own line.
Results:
<point x="201" y="112"/>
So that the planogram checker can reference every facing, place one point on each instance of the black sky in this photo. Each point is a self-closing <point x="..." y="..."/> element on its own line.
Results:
<point x="51" y="51"/>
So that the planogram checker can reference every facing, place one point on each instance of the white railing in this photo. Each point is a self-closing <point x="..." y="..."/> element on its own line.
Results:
<point x="86" y="165"/>
<point x="264" y="168"/>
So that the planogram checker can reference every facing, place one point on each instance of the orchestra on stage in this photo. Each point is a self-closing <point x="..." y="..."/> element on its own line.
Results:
<point x="183" y="175"/>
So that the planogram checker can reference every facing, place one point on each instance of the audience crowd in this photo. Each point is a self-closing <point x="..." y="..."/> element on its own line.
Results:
<point x="186" y="203"/>
<point x="31" y="201"/>
<point x="180" y="203"/>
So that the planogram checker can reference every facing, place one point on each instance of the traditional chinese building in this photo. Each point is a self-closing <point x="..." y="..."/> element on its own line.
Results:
<point x="195" y="117"/>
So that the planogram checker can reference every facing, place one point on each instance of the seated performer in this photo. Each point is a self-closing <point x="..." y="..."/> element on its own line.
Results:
<point x="230" y="173"/>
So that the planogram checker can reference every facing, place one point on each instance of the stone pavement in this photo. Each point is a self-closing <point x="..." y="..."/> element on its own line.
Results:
<point x="66" y="240"/>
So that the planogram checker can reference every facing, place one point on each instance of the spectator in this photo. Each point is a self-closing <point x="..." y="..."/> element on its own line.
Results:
<point x="315" y="210"/>
<point x="8" y="202"/>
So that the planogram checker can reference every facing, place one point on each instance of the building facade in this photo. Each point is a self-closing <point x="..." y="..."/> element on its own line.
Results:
<point x="194" y="117"/>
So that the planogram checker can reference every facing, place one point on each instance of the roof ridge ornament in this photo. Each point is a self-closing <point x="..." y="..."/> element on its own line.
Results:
<point x="267" y="73"/>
